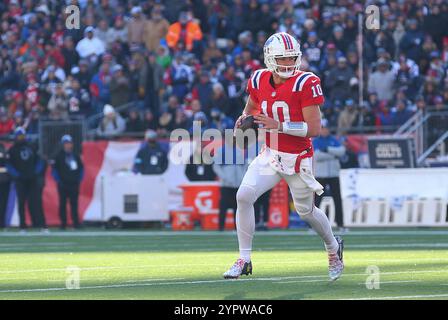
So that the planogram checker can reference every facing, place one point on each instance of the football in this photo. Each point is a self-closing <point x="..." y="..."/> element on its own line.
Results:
<point x="248" y="123"/>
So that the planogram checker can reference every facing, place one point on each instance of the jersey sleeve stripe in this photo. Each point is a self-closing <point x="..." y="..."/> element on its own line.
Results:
<point x="254" y="85"/>
<point x="302" y="83"/>
<point x="256" y="78"/>
<point x="299" y="80"/>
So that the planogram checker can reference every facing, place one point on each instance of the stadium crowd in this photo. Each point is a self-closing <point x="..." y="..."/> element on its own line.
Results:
<point x="175" y="61"/>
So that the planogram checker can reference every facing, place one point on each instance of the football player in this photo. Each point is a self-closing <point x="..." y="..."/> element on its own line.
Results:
<point x="285" y="102"/>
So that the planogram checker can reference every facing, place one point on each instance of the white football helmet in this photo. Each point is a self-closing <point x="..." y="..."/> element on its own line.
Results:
<point x="281" y="44"/>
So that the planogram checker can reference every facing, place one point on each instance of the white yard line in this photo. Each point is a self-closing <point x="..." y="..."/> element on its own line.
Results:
<point x="35" y="243"/>
<point x="273" y="279"/>
<point x="300" y="281"/>
<point x="208" y="248"/>
<point x="105" y="233"/>
<point x="150" y="280"/>
<point x="130" y="267"/>
<point x="398" y="281"/>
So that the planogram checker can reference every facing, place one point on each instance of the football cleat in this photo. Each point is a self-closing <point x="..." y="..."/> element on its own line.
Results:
<point x="239" y="268"/>
<point x="336" y="261"/>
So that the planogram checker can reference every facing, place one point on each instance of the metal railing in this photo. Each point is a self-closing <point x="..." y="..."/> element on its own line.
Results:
<point x="428" y="152"/>
<point x="417" y="128"/>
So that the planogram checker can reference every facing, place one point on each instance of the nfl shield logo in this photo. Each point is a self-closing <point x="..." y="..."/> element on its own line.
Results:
<point x="273" y="94"/>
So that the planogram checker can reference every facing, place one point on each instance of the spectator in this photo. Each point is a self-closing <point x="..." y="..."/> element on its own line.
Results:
<point x="90" y="47"/>
<point x="365" y="118"/>
<point x="234" y="89"/>
<point x="152" y="82"/>
<point x="180" y="76"/>
<point x="405" y="80"/>
<point x="435" y="24"/>
<point x="118" y="33"/>
<point x="71" y="56"/>
<point x="220" y="121"/>
<point x="400" y="115"/>
<point x="83" y="75"/>
<point x="339" y="80"/>
<point x="112" y="123"/>
<point x="339" y="40"/>
<point x="149" y="122"/>
<point x="6" y="123"/>
<point x="5" y="182"/>
<point x="151" y="158"/>
<point x="79" y="99"/>
<point x="203" y="91"/>
<point x="200" y="120"/>
<point x="181" y="120"/>
<point x="155" y="30"/>
<point x="327" y="152"/>
<point x="326" y="28"/>
<point x="100" y="87"/>
<point x="237" y="18"/>
<point x="230" y="167"/>
<point x="102" y="33"/>
<point x="221" y="101"/>
<point x="134" y="123"/>
<point x="420" y="104"/>
<point x="119" y="87"/>
<point x="347" y="118"/>
<point x="163" y="57"/>
<point x="313" y="50"/>
<point x="18" y="119"/>
<point x="196" y="169"/>
<point x="259" y="45"/>
<point x="68" y="172"/>
<point x="54" y="54"/>
<point x="251" y="65"/>
<point x="384" y="117"/>
<point x="32" y="122"/>
<point x="212" y="55"/>
<point x="184" y="32"/>
<point x="381" y="81"/>
<point x="32" y="91"/>
<point x="372" y="101"/>
<point x="59" y="104"/>
<point x="136" y="27"/>
<point x="411" y="43"/>
<point x="24" y="166"/>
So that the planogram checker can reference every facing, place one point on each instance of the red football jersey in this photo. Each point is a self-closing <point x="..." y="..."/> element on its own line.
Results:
<point x="284" y="103"/>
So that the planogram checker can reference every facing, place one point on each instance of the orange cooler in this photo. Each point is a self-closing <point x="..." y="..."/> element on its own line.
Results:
<point x="181" y="219"/>
<point x="203" y="197"/>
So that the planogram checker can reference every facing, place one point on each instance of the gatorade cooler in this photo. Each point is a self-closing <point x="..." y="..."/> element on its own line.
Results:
<point x="278" y="207"/>
<point x="203" y="197"/>
<point x="211" y="221"/>
<point x="181" y="219"/>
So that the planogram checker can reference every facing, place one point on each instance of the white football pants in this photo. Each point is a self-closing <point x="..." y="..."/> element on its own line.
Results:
<point x="261" y="177"/>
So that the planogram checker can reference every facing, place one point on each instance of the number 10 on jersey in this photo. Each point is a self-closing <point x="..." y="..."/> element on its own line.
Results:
<point x="276" y="108"/>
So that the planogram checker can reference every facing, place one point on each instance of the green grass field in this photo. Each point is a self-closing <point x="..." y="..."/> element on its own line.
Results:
<point x="413" y="264"/>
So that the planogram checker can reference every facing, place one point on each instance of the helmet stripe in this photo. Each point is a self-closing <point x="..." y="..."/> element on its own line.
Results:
<point x="285" y="42"/>
<point x="288" y="37"/>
